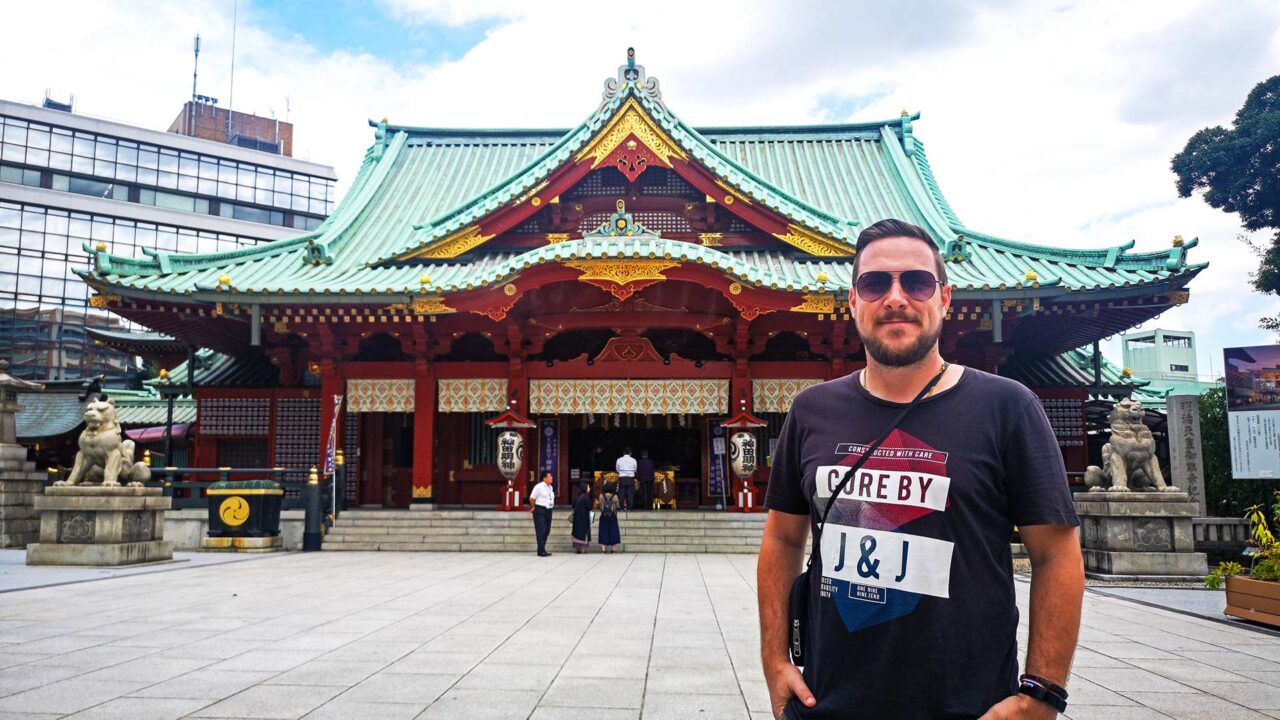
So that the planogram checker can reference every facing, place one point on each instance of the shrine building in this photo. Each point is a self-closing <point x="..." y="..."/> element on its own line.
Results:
<point x="630" y="282"/>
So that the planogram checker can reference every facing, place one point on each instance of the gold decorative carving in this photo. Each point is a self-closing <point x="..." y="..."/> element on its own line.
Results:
<point x="103" y="301"/>
<point x="735" y="288"/>
<point x="451" y="246"/>
<point x="733" y="193"/>
<point x="554" y="238"/>
<point x="813" y="243"/>
<point x="817" y="303"/>
<point x="509" y="289"/>
<point x="280" y="326"/>
<point x="430" y="305"/>
<point x="710" y="239"/>
<point x="622" y="271"/>
<point x="1181" y="297"/>
<point x="421" y="492"/>
<point x="621" y="278"/>
<point x="631" y="119"/>
<point x="531" y="192"/>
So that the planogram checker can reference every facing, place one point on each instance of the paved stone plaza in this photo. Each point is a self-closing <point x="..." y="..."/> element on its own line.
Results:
<point x="479" y="635"/>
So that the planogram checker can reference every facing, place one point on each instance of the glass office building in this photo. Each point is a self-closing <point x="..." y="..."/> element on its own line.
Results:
<point x="67" y="180"/>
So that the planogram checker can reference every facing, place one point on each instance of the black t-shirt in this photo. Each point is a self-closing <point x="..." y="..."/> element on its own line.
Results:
<point x="912" y="611"/>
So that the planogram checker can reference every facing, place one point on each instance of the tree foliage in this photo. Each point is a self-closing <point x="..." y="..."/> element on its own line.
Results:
<point x="1238" y="169"/>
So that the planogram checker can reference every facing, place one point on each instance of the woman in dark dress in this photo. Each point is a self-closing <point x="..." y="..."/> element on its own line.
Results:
<point x="582" y="520"/>
<point x="610" y="535"/>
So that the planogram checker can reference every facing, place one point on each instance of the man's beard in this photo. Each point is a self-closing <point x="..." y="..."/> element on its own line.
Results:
<point x="886" y="355"/>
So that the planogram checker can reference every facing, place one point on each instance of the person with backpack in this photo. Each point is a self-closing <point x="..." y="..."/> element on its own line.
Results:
<point x="610" y="535"/>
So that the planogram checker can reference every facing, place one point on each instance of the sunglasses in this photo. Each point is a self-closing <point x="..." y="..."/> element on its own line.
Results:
<point x="919" y="285"/>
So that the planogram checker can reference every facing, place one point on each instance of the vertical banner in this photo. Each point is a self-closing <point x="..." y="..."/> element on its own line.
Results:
<point x="1253" y="411"/>
<point x="549" y="450"/>
<point x="716" y="471"/>
<point x="331" y="445"/>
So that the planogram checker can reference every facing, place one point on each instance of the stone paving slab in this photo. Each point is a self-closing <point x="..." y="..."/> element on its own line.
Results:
<point x="500" y="635"/>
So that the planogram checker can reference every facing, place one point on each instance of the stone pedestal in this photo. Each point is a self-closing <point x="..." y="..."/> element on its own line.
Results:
<point x="1139" y="533"/>
<point x="95" y="525"/>
<point x="20" y="483"/>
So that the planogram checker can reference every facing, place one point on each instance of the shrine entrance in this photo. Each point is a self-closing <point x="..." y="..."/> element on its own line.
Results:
<point x="594" y="446"/>
<point x="386" y="470"/>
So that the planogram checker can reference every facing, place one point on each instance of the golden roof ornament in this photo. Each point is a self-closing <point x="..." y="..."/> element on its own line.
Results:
<point x="424" y="280"/>
<point x="822" y="276"/>
<point x="164" y="374"/>
<point x="224" y="279"/>
<point x="1031" y="276"/>
<point x="1126" y="373"/>
<point x="1177" y="241"/>
<point x="100" y="247"/>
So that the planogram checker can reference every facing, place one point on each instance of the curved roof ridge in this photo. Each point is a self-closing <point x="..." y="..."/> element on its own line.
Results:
<point x="908" y="174"/>
<point x="825" y="128"/>
<point x="373" y="172"/>
<point x="1103" y="256"/>
<point x="923" y="167"/>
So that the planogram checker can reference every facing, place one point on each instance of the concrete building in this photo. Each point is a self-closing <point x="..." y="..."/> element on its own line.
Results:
<point x="1167" y="358"/>
<point x="68" y="182"/>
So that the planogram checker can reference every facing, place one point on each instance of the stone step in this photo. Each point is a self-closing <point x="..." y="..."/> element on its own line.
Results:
<point x="465" y="530"/>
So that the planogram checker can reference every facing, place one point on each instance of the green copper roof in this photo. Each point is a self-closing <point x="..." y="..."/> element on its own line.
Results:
<point x="419" y="185"/>
<point x="1073" y="368"/>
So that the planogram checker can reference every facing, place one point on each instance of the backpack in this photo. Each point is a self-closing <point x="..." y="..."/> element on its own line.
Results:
<point x="608" y="508"/>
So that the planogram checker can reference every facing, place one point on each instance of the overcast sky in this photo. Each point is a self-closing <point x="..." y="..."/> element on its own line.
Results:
<point x="1046" y="122"/>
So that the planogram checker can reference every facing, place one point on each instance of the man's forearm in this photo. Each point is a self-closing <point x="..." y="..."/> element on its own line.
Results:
<point x="1057" y="588"/>
<point x="776" y="568"/>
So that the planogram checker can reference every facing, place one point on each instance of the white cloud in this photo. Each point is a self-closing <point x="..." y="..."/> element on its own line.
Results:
<point x="1046" y="123"/>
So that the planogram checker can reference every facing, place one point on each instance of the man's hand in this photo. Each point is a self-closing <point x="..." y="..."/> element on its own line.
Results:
<point x="784" y="681"/>
<point x="1020" y="707"/>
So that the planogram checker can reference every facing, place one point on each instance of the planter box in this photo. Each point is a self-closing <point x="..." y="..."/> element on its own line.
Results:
<point x="1255" y="600"/>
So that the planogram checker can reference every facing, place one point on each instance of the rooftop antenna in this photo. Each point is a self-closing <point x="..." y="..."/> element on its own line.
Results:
<point x="195" y="72"/>
<point x="231" y="102"/>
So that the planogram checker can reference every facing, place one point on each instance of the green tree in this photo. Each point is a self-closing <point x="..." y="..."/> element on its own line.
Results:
<point x="1224" y="496"/>
<point x="1239" y="171"/>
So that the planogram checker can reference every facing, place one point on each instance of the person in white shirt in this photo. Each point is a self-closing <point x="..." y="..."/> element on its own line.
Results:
<point x="541" y="500"/>
<point x="626" y="467"/>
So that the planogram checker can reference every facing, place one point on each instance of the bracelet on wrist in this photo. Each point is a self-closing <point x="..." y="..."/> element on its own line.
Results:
<point x="1037" y="691"/>
<point x="1045" y="683"/>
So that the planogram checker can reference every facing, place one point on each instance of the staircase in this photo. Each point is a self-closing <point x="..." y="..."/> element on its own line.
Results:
<point x="656" y="531"/>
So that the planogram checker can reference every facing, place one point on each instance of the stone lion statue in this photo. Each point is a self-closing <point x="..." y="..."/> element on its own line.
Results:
<point x="1129" y="461"/>
<point x="104" y="456"/>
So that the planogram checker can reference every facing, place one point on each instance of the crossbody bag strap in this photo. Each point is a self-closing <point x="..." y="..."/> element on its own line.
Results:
<point x="848" y="476"/>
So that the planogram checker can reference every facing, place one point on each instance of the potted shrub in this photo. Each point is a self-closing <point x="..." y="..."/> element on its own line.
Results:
<point x="1255" y="596"/>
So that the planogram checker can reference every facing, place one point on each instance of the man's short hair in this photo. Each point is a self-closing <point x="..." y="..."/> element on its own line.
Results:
<point x="898" y="228"/>
<point x="626" y="451"/>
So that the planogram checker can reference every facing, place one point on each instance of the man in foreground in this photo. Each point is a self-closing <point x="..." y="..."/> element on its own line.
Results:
<point x="911" y="610"/>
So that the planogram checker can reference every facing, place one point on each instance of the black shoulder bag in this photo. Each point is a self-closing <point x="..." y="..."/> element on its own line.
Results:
<point x="798" y="605"/>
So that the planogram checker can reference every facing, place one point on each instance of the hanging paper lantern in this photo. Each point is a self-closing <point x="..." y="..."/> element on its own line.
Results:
<point x="510" y="454"/>
<point x="742" y="454"/>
